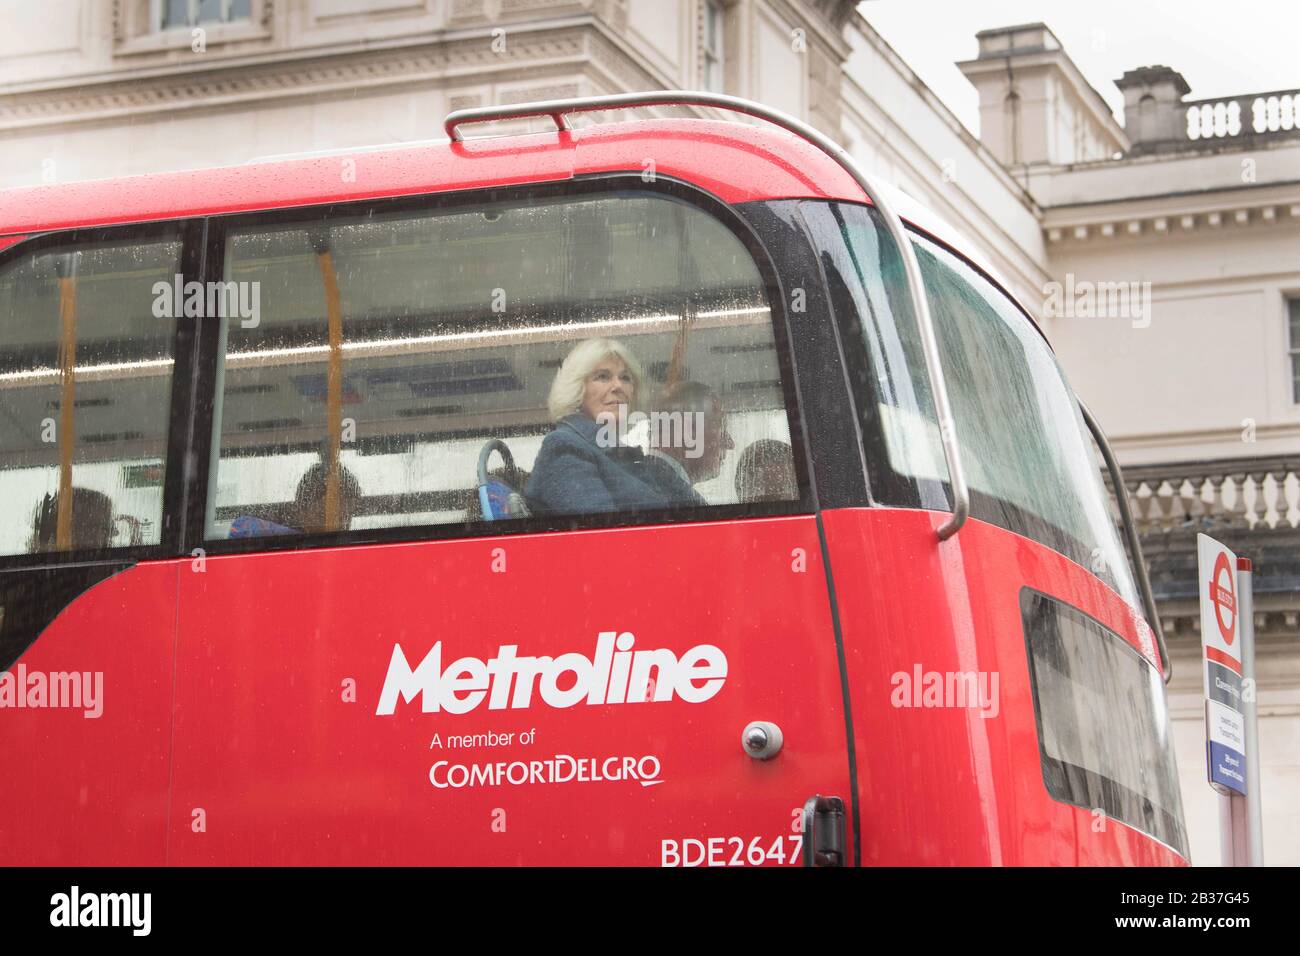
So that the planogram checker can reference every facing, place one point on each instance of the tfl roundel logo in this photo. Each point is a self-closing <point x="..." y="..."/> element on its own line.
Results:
<point x="1223" y="595"/>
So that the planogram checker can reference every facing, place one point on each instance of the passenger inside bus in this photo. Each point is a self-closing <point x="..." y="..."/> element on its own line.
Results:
<point x="307" y="513"/>
<point x="688" y="438"/>
<point x="92" y="521"/>
<point x="583" y="465"/>
<point x="765" y="472"/>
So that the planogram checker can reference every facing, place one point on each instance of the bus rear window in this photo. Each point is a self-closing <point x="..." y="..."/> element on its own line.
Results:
<point x="394" y="350"/>
<point x="1104" y="733"/>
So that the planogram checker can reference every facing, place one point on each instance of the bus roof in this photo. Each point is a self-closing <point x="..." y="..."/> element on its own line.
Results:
<point x="736" y="162"/>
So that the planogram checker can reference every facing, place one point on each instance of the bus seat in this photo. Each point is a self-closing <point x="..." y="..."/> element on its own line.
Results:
<point x="500" y="493"/>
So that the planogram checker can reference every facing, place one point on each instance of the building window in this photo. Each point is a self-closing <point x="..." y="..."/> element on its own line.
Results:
<point x="190" y="13"/>
<point x="1293" y="312"/>
<point x="714" y="64"/>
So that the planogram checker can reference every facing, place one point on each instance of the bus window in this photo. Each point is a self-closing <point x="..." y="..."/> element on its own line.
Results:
<point x="1103" y="726"/>
<point x="85" y="385"/>
<point x="391" y="348"/>
<point x="1028" y="457"/>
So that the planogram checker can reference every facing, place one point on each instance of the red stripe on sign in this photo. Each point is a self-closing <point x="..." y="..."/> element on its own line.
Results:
<point x="1216" y="655"/>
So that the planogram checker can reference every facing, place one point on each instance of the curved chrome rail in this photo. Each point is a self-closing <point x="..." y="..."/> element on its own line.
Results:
<point x="1130" y="532"/>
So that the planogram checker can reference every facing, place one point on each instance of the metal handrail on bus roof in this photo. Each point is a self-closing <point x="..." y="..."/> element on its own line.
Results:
<point x="559" y="110"/>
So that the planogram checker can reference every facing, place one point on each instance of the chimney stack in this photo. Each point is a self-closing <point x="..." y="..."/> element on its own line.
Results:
<point x="1153" y="106"/>
<point x="1035" y="105"/>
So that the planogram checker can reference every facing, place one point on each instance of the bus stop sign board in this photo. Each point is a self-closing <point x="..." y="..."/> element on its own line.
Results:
<point x="1225" y="724"/>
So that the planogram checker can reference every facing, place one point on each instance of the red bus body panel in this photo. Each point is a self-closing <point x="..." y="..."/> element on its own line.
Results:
<point x="92" y="791"/>
<point x="945" y="785"/>
<point x="288" y="772"/>
<point x="274" y="762"/>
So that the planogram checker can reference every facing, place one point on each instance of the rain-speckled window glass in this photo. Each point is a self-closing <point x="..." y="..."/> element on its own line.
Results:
<point x="1104" y="733"/>
<point x="184" y="13"/>
<point x="85" y="385"/>
<point x="390" y="350"/>
<point x="1029" y="459"/>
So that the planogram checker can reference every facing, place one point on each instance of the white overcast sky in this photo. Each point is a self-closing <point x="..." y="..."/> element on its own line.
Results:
<point x="1221" y="49"/>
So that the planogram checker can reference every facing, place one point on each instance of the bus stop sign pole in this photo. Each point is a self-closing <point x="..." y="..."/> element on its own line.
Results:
<point x="1228" y="664"/>
<point x="1254" y="822"/>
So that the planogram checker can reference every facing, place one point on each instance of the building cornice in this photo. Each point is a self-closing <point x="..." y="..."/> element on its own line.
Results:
<point x="449" y="57"/>
<point x="1212" y="212"/>
<point x="820" y="23"/>
<point x="1204" y="437"/>
<point x="615" y="53"/>
<point x="218" y="60"/>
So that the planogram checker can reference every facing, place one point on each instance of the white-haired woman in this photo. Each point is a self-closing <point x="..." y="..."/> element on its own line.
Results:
<point x="581" y="467"/>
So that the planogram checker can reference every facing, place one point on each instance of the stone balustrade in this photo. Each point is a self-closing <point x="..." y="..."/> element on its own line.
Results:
<point x="1157" y="118"/>
<point x="1250" y="504"/>
<point x="1250" y="493"/>
<point x="1260" y="114"/>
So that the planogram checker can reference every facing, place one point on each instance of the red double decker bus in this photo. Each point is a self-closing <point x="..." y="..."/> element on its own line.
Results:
<point x="660" y="492"/>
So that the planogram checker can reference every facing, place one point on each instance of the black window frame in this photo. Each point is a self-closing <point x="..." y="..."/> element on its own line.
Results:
<point x="188" y="232"/>
<point x="200" y="446"/>
<point x="835" y="446"/>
